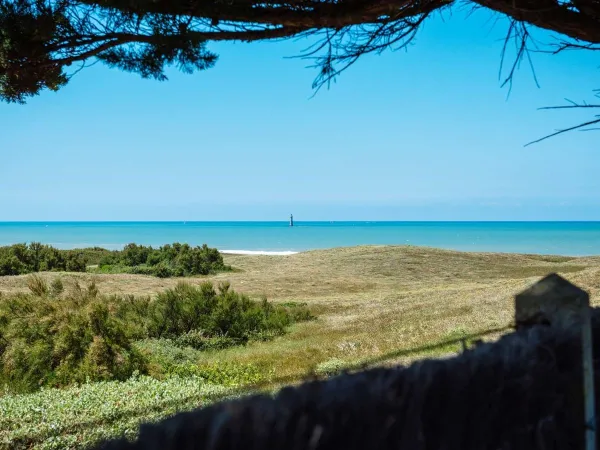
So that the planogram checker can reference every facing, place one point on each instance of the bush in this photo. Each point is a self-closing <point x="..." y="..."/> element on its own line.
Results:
<point x="10" y="265"/>
<point x="59" y="343"/>
<point x="203" y="318"/>
<point x="198" y="340"/>
<point x="93" y="255"/>
<point x="163" y="353"/>
<point x="135" y="255"/>
<point x="22" y="259"/>
<point x="75" y="262"/>
<point x="167" y="261"/>
<point x="298" y="311"/>
<point x="88" y="336"/>
<point x="162" y="270"/>
<point x="166" y="360"/>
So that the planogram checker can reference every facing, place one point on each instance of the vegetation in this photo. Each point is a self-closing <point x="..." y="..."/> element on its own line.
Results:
<point x="79" y="416"/>
<point x="93" y="255"/>
<point x="376" y="305"/>
<point x="166" y="261"/>
<point x="53" y="339"/>
<point x="22" y="258"/>
<point x="43" y="43"/>
<point x="330" y="367"/>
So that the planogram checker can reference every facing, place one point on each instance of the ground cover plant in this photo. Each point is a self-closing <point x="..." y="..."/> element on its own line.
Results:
<point x="79" y="416"/>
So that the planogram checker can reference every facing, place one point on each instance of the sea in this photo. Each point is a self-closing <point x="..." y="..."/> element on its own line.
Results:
<point x="550" y="238"/>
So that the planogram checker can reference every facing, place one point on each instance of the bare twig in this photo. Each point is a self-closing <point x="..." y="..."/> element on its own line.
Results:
<point x="565" y="130"/>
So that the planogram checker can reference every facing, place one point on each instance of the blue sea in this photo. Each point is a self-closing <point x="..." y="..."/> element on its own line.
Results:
<point x="557" y="238"/>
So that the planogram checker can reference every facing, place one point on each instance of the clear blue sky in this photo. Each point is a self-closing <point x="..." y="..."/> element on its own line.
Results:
<point x="426" y="134"/>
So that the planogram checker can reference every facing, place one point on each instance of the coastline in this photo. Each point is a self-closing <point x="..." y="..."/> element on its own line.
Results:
<point x="279" y="239"/>
<point x="242" y="252"/>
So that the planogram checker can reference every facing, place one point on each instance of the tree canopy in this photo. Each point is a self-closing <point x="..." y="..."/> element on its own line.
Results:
<point x="44" y="42"/>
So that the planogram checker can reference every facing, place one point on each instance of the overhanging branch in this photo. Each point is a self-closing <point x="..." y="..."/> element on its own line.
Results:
<point x="38" y="38"/>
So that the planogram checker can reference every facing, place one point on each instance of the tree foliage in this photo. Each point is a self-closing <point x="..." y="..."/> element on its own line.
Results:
<point x="41" y="39"/>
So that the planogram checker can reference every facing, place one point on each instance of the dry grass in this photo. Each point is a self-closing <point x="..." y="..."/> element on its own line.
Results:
<point x="371" y="301"/>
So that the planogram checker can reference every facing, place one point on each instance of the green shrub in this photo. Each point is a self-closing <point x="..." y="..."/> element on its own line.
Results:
<point x="162" y="270"/>
<point x="196" y="339"/>
<point x="88" y="336"/>
<point x="108" y="260"/>
<point x="10" y="265"/>
<point x="22" y="258"/>
<point x="166" y="359"/>
<point x="135" y="255"/>
<point x="163" y="353"/>
<point x="58" y="343"/>
<point x="93" y="255"/>
<point x="154" y="258"/>
<point x="74" y="262"/>
<point x="207" y="319"/>
<point x="166" y="261"/>
<point x="298" y="311"/>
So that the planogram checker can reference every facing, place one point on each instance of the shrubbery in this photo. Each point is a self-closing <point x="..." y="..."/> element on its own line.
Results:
<point x="174" y="260"/>
<point x="167" y="261"/>
<point x="55" y="342"/>
<point x="168" y="359"/>
<point x="199" y="313"/>
<point x="22" y="258"/>
<point x="53" y="337"/>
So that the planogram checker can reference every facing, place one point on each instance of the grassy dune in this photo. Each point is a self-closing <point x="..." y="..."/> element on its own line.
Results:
<point x="373" y="303"/>
<point x="370" y="300"/>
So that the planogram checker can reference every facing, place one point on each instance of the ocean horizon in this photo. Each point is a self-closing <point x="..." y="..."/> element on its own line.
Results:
<point x="552" y="238"/>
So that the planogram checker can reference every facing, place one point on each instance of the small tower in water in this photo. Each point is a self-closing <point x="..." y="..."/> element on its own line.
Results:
<point x="291" y="220"/>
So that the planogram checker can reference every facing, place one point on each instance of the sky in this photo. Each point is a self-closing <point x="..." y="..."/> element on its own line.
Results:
<point x="422" y="134"/>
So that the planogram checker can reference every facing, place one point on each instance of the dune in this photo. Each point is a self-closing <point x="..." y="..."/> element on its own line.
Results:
<point x="257" y="252"/>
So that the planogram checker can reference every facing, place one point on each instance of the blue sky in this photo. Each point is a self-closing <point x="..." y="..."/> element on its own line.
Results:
<point x="426" y="134"/>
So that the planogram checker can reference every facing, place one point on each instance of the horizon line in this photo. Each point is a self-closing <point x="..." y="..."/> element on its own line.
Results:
<point x="301" y="221"/>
